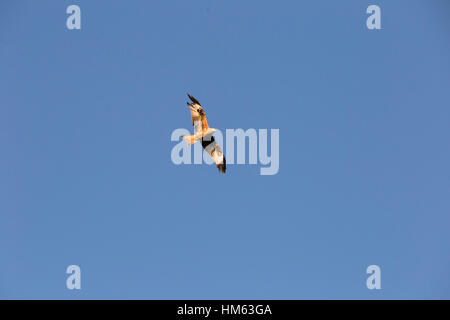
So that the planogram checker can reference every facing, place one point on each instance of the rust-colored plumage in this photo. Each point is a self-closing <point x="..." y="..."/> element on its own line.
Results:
<point x="203" y="132"/>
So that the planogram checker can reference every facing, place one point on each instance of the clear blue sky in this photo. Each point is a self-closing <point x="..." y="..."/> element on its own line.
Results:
<point x="87" y="179"/>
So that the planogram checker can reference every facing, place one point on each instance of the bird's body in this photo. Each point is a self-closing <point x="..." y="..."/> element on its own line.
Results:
<point x="203" y="132"/>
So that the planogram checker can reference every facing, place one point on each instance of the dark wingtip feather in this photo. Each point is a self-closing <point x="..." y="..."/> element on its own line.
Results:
<point x="222" y="166"/>
<point x="193" y="99"/>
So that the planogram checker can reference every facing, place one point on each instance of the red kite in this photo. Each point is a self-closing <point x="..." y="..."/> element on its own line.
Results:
<point x="204" y="133"/>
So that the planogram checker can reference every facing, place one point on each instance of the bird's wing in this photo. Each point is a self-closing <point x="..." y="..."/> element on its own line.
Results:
<point x="198" y="115"/>
<point x="216" y="153"/>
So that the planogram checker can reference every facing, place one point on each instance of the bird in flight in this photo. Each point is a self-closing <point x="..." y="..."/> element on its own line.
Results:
<point x="204" y="133"/>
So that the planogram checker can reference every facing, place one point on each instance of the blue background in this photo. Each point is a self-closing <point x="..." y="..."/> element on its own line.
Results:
<point x="86" y="176"/>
